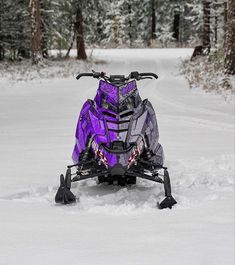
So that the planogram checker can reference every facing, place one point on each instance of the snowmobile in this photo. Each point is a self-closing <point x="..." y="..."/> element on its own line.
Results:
<point x="117" y="139"/>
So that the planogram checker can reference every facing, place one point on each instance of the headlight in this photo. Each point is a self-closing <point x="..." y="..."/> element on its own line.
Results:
<point x="136" y="153"/>
<point x="99" y="154"/>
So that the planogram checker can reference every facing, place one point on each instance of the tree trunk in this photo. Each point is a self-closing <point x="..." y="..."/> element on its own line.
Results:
<point x="81" y="53"/>
<point x="206" y="24"/>
<point x="216" y="21"/>
<point x="130" y="24"/>
<point x="225" y="21"/>
<point x="176" y="26"/>
<point x="70" y="46"/>
<point x="153" y="29"/>
<point x="1" y="26"/>
<point x="44" y="31"/>
<point x="225" y="14"/>
<point x="230" y="39"/>
<point x="36" y="31"/>
<point x="2" y="55"/>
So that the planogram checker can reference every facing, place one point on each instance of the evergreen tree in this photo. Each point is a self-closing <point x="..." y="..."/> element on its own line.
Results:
<point x="193" y="21"/>
<point x="114" y="25"/>
<point x="95" y="15"/>
<point x="128" y="23"/>
<point x="164" y="29"/>
<point x="14" y="29"/>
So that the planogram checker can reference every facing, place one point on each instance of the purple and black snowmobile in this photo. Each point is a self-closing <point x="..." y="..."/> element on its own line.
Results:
<point x="117" y="139"/>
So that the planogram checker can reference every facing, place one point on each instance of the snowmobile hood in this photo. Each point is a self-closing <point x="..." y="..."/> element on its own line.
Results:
<point x="116" y="125"/>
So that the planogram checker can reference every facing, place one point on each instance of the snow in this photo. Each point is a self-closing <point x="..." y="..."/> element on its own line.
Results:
<point x="113" y="225"/>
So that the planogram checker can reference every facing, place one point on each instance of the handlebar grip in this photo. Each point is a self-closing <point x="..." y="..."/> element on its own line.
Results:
<point x="84" y="74"/>
<point x="149" y="74"/>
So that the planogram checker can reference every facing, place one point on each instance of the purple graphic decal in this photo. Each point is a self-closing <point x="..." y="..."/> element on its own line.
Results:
<point x="110" y="91"/>
<point x="128" y="88"/>
<point x="99" y="120"/>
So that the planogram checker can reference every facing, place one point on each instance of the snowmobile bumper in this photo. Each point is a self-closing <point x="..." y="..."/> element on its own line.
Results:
<point x="65" y="196"/>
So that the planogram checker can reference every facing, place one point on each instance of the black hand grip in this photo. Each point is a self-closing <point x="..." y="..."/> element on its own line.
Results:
<point x="138" y="76"/>
<point x="149" y="74"/>
<point x="134" y="75"/>
<point x="93" y="74"/>
<point x="84" y="74"/>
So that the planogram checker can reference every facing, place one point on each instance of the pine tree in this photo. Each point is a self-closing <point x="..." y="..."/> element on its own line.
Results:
<point x="115" y="24"/>
<point x="164" y="29"/>
<point x="61" y="24"/>
<point x="14" y="29"/>
<point x="193" y="21"/>
<point x="94" y="18"/>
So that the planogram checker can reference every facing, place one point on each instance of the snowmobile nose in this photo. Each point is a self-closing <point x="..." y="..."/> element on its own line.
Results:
<point x="117" y="170"/>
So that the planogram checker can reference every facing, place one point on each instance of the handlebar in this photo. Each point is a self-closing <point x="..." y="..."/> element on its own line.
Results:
<point x="93" y="74"/>
<point x="84" y="74"/>
<point x="119" y="78"/>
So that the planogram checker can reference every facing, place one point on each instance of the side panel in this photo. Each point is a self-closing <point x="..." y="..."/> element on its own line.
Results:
<point x="91" y="124"/>
<point x="144" y="123"/>
<point x="152" y="134"/>
<point x="81" y="132"/>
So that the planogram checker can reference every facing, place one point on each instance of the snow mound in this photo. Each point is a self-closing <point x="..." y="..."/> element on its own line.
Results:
<point x="214" y="174"/>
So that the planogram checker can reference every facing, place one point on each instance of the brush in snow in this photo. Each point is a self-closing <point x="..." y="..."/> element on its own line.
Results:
<point x="117" y="139"/>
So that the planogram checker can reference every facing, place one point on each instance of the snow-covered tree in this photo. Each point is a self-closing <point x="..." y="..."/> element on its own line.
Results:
<point x="114" y="25"/>
<point x="95" y="15"/>
<point x="164" y="22"/>
<point x="14" y="29"/>
<point x="193" y="21"/>
<point x="128" y="23"/>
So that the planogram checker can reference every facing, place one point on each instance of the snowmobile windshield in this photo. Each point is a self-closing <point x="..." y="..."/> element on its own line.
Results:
<point x="117" y="98"/>
<point x="128" y="104"/>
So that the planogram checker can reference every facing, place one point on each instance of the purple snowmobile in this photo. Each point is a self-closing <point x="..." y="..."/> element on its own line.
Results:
<point x="117" y="139"/>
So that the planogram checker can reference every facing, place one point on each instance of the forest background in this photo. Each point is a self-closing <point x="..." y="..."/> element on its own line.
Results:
<point x="31" y="29"/>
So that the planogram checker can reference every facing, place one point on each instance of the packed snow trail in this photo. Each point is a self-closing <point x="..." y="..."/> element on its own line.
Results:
<point x="113" y="225"/>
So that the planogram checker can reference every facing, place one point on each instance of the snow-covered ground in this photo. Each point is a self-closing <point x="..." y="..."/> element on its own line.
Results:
<point x="113" y="225"/>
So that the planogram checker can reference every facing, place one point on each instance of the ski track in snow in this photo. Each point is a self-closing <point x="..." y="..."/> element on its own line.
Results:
<point x="38" y="120"/>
